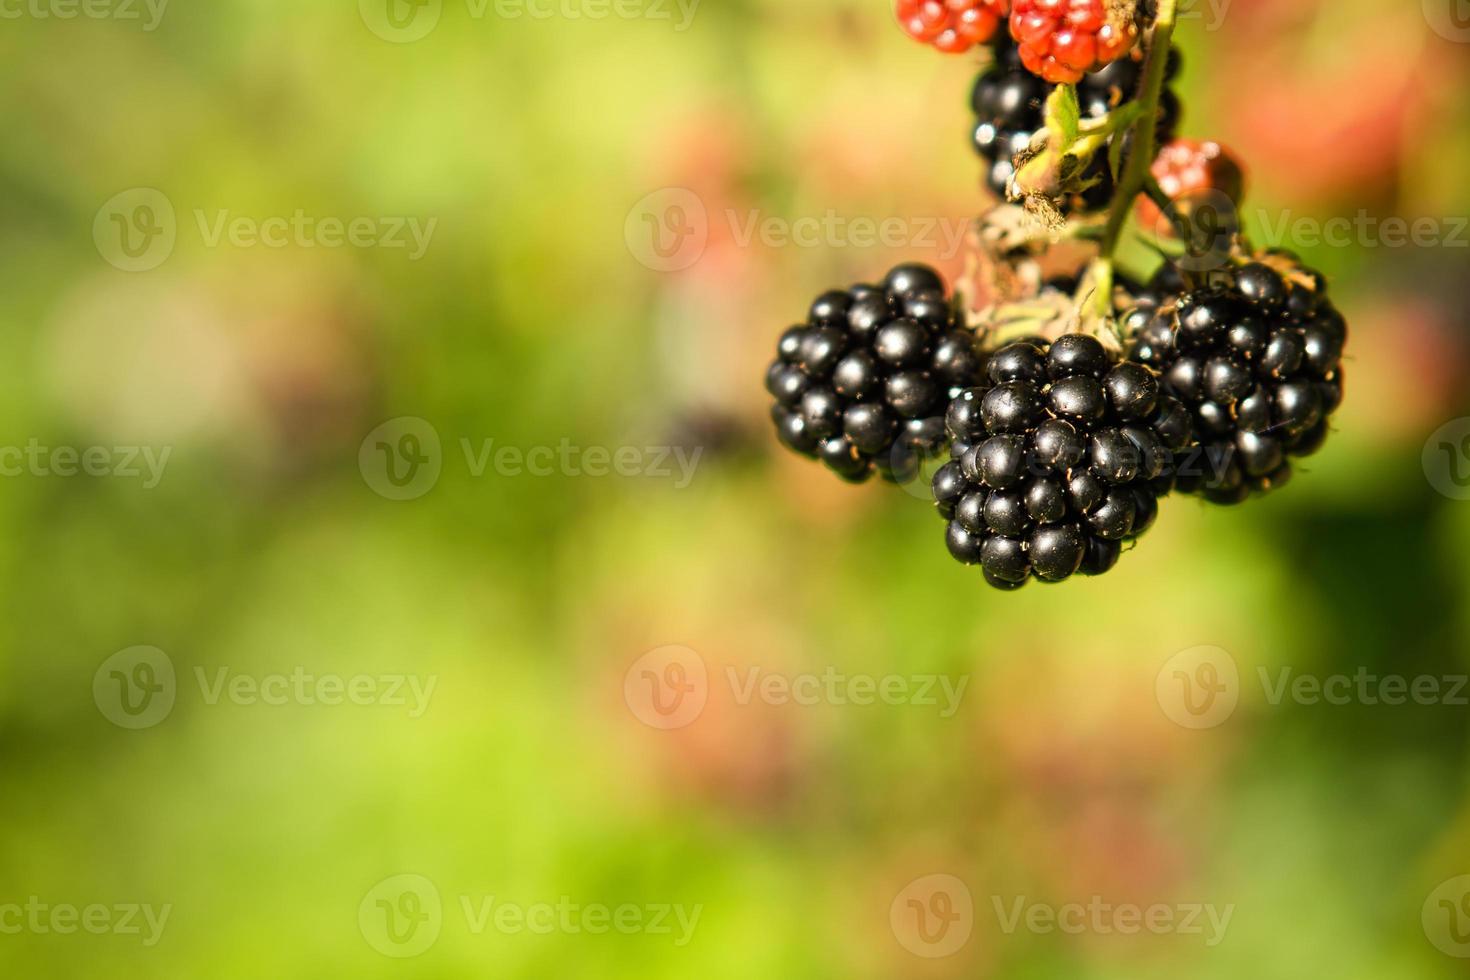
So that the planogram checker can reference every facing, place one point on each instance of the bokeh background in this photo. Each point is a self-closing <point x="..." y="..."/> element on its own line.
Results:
<point x="592" y="280"/>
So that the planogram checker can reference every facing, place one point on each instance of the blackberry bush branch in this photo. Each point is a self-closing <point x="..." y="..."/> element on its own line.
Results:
<point x="1140" y="154"/>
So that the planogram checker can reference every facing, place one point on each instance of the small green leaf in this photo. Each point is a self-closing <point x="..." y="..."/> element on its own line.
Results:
<point x="1063" y="115"/>
<point x="1115" y="158"/>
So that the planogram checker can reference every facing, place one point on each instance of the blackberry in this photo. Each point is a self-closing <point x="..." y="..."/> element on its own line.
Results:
<point x="1009" y="103"/>
<point x="1257" y="358"/>
<point x="1056" y="462"/>
<point x="862" y="385"/>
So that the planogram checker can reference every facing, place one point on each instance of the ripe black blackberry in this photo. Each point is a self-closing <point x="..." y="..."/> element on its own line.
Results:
<point x="1257" y="358"/>
<point x="1009" y="101"/>
<point x="863" y="384"/>
<point x="1057" y="463"/>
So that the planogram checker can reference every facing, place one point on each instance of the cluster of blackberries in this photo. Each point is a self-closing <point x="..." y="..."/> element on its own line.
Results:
<point x="1257" y="358"/>
<point x="863" y="384"/>
<point x="1057" y="463"/>
<point x="1009" y="105"/>
<point x="1059" y="453"/>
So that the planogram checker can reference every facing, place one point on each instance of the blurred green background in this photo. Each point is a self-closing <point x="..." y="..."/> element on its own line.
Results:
<point x="593" y="279"/>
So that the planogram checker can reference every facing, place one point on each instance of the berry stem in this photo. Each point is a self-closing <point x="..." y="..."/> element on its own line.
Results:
<point x="1157" y="194"/>
<point x="1168" y="206"/>
<point x="1122" y="117"/>
<point x="1100" y="282"/>
<point x="1141" y="151"/>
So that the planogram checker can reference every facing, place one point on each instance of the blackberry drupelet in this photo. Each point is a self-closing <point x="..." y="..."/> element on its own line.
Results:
<point x="863" y="384"/>
<point x="1057" y="462"/>
<point x="1009" y="101"/>
<point x="1257" y="358"/>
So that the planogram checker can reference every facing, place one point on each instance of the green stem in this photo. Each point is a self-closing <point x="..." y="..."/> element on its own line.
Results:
<point x="1122" y="117"/>
<point x="1141" y="150"/>
<point x="1102" y="285"/>
<point x="1170" y="209"/>
<point x="1156" y="193"/>
<point x="1002" y="335"/>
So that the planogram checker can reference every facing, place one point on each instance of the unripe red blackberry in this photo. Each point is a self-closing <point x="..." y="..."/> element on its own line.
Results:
<point x="862" y="384"/>
<point x="1059" y="458"/>
<point x="1257" y="358"/>
<point x="1062" y="40"/>
<point x="952" y="26"/>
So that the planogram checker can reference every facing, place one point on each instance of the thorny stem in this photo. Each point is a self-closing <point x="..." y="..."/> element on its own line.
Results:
<point x="1133" y="181"/>
<point x="1141" y="152"/>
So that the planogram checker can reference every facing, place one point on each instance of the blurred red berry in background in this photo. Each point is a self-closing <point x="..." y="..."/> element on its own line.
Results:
<point x="952" y="26"/>
<point x="1190" y="170"/>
